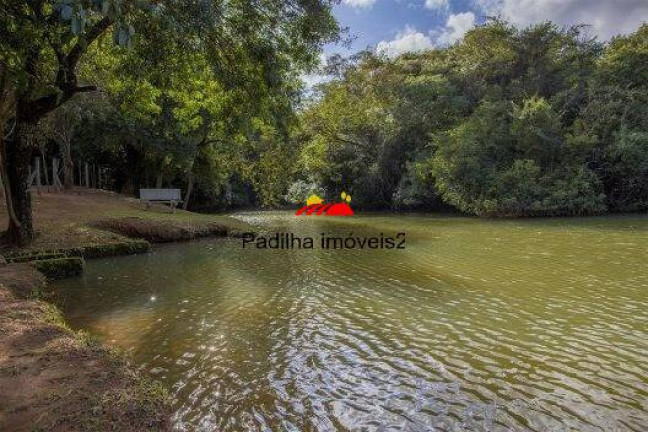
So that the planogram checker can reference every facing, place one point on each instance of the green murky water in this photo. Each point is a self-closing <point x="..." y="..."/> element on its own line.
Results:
<point x="477" y="325"/>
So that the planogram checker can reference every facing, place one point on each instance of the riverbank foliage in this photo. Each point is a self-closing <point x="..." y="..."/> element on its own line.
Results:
<point x="507" y="122"/>
<point x="151" y="89"/>
<point x="539" y="121"/>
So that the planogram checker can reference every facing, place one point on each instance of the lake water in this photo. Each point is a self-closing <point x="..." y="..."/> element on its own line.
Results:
<point x="476" y="325"/>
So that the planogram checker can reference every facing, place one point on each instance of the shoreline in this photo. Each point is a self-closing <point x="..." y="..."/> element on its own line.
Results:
<point x="56" y="379"/>
<point x="53" y="378"/>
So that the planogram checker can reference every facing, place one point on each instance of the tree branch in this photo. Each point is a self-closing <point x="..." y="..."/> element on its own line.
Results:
<point x="66" y="79"/>
<point x="39" y="107"/>
<point x="97" y="30"/>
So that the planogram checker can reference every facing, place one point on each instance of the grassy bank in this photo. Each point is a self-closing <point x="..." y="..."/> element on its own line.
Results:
<point x="54" y="379"/>
<point x="88" y="219"/>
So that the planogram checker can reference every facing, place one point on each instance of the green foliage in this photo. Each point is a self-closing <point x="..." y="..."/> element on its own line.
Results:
<point x="506" y="122"/>
<point x="416" y="189"/>
<point x="206" y="96"/>
<point x="627" y="159"/>
<point x="300" y="190"/>
<point x="513" y="161"/>
<point x="197" y="97"/>
<point x="60" y="268"/>
<point x="42" y="43"/>
<point x="625" y="62"/>
<point x="265" y="159"/>
<point x="366" y="126"/>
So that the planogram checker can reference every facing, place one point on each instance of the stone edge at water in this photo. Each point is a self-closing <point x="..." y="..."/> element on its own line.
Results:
<point x="60" y="268"/>
<point x="129" y="247"/>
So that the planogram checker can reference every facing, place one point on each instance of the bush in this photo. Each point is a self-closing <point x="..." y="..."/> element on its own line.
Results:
<point x="300" y="190"/>
<point x="60" y="268"/>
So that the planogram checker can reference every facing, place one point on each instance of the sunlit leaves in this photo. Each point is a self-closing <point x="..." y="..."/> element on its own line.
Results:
<point x="507" y="122"/>
<point x="80" y="14"/>
<point x="626" y="60"/>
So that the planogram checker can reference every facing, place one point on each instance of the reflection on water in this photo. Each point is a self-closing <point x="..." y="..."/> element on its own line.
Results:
<point x="535" y="325"/>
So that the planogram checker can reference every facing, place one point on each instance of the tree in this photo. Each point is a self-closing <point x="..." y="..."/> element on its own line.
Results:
<point x="371" y="122"/>
<point x="514" y="161"/>
<point x="61" y="124"/>
<point x="7" y="112"/>
<point x="506" y="122"/>
<point x="614" y="120"/>
<point x="43" y="43"/>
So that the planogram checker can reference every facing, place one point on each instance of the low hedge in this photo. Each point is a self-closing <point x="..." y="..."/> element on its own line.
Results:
<point x="60" y="268"/>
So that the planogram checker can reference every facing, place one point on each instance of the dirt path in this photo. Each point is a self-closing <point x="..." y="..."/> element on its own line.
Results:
<point x="53" y="379"/>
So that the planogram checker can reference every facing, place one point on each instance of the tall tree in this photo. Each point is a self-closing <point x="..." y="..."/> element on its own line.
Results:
<point x="42" y="43"/>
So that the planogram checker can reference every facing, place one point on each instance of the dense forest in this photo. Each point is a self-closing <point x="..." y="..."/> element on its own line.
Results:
<point x="508" y="122"/>
<point x="540" y="121"/>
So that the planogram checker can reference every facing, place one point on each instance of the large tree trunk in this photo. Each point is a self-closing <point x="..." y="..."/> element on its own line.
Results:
<point x="5" y="179"/>
<point x="158" y="182"/>
<point x="68" y="167"/>
<point x="192" y="180"/>
<point x="45" y="169"/>
<point x="7" y="106"/>
<point x="18" y="153"/>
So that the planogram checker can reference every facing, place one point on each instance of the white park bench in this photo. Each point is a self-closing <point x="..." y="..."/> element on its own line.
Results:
<point x="169" y="196"/>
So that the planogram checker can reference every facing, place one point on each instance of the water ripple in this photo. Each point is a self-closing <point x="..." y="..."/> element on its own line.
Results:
<point x="477" y="326"/>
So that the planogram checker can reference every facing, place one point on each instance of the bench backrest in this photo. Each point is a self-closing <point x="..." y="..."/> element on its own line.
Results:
<point x="160" y="194"/>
